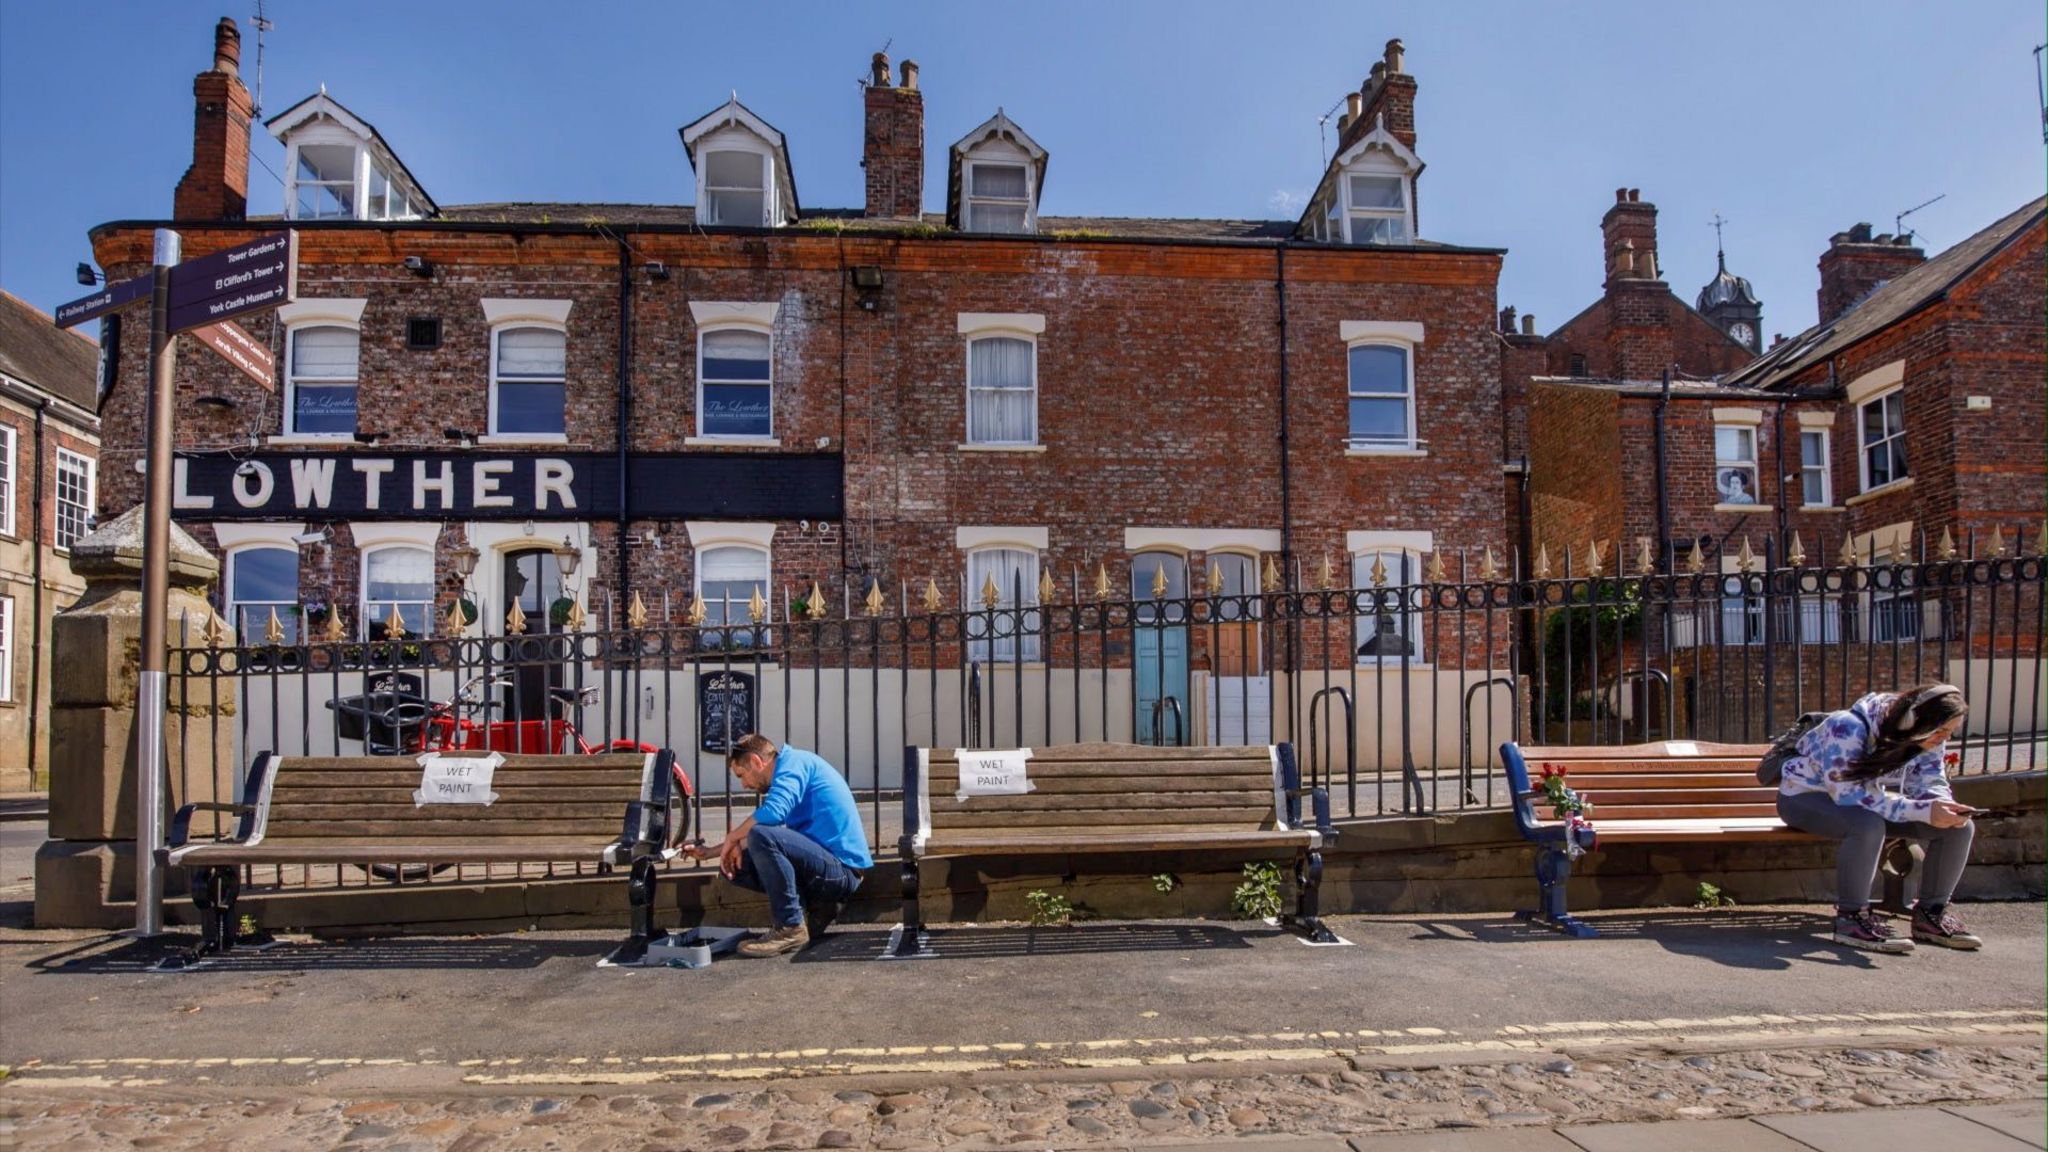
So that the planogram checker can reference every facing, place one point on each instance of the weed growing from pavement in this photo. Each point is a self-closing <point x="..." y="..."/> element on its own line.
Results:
<point x="1165" y="882"/>
<point x="1048" y="910"/>
<point x="1258" y="898"/>
<point x="1712" y="896"/>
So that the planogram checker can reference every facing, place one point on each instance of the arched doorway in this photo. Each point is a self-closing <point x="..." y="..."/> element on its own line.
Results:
<point x="533" y="579"/>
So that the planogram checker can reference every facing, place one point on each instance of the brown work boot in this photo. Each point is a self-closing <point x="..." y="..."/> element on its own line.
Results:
<point x="778" y="942"/>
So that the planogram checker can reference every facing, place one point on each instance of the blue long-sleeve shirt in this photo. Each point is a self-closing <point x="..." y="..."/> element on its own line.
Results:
<point x="809" y="796"/>
<point x="1832" y="748"/>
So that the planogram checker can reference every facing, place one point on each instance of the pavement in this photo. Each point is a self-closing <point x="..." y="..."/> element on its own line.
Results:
<point x="1734" y="1028"/>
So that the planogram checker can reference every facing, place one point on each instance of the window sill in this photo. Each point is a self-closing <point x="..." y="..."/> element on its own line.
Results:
<point x="307" y="439"/>
<point x="1024" y="448"/>
<point x="508" y="439"/>
<point x="1389" y="453"/>
<point x="1821" y="508"/>
<point x="1008" y="664"/>
<point x="1878" y="492"/>
<point x="1383" y="665"/>
<point x="732" y="442"/>
<point x="1744" y="509"/>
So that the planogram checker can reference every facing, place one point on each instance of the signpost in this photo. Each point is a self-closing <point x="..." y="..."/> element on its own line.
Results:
<point x="258" y="275"/>
<point x="242" y="350"/>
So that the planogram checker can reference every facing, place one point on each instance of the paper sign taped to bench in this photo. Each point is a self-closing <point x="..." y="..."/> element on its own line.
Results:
<point x="992" y="772"/>
<point x="456" y="779"/>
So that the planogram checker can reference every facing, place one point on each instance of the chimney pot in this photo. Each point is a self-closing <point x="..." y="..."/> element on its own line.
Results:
<point x="1635" y="195"/>
<point x="1529" y="324"/>
<point x="910" y="74"/>
<point x="1860" y="234"/>
<point x="879" y="71"/>
<point x="1507" y="319"/>
<point x="1355" y="102"/>
<point x="227" y="47"/>
<point x="1650" y="264"/>
<point x="1395" y="56"/>
<point x="1343" y="122"/>
<point x="1621" y="195"/>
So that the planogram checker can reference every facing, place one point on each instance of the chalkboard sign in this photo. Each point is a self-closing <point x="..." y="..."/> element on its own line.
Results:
<point x="725" y="709"/>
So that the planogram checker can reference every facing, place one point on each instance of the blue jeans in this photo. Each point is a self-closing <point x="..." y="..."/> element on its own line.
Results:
<point x="791" y="868"/>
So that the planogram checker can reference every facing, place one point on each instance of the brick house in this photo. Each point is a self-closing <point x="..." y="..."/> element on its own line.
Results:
<point x="49" y="469"/>
<point x="751" y="394"/>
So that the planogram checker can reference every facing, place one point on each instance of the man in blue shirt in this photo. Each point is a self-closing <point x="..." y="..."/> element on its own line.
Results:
<point x="803" y="847"/>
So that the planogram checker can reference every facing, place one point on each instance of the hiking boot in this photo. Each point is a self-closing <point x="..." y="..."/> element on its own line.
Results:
<point x="819" y="915"/>
<point x="778" y="942"/>
<point x="1860" y="929"/>
<point x="1941" y="928"/>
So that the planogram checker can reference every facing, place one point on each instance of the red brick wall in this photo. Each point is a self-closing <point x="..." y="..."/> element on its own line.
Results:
<point x="1578" y="470"/>
<point x="892" y="153"/>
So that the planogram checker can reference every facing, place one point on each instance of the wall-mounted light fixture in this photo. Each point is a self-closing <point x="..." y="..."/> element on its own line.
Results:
<point x="657" y="271"/>
<point x="316" y="536"/>
<point x="370" y="437"/>
<point x="462" y="436"/>
<point x="216" y="403"/>
<point x="87" y="276"/>
<point x="419" y="266"/>
<point x="868" y="282"/>
<point x="567" y="558"/>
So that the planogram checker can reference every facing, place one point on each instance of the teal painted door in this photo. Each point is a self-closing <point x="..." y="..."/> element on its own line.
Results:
<point x="1159" y="649"/>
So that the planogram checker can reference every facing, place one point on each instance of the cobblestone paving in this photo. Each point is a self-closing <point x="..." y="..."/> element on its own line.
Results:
<point x="1036" y="1110"/>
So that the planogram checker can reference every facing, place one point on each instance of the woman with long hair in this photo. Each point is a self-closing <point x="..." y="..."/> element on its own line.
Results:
<point x="1836" y="787"/>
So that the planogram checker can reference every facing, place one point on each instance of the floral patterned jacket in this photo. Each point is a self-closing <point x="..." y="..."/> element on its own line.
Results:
<point x="1831" y="749"/>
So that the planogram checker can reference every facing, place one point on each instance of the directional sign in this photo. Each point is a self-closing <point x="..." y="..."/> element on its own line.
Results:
<point x="240" y="349"/>
<point x="103" y="301"/>
<point x="251" y="277"/>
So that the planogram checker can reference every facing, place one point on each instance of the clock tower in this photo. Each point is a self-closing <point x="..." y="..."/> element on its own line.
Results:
<point x="1731" y="304"/>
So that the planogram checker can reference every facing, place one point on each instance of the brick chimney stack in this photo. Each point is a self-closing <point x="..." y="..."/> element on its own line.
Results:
<point x="1629" y="235"/>
<point x="892" y="151"/>
<point x="1389" y="94"/>
<point x="1856" y="263"/>
<point x="216" y="186"/>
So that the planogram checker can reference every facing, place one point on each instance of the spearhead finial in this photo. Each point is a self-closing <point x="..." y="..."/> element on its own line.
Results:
<point x="990" y="594"/>
<point x="215" y="633"/>
<point x="932" y="601"/>
<point x="1325" y="575"/>
<point x="1213" y="584"/>
<point x="1269" y="576"/>
<point x="874" y="602"/>
<point x="1594" y="561"/>
<point x="1436" y="573"/>
<point x="1997" y="544"/>
<point x="1489" y="566"/>
<point x="814" y="603"/>
<point x="636" y="612"/>
<point x="1101" y="580"/>
<point x="394" y="624"/>
<point x="757" y="605"/>
<point x="696" y="613"/>
<point x="1795" y="554"/>
<point x="515" y="620"/>
<point x="336" y="632"/>
<point x="273" y="629"/>
<point x="1542" y="571"/>
<point x="1848" y="553"/>
<point x="575" y="619"/>
<point x="1379" y="571"/>
<point x="1645" y="561"/>
<point x="454" y="622"/>
<point x="1745" y="560"/>
<point x="1159" y="580"/>
<point x="1045" y="586"/>
<point x="1695" y="561"/>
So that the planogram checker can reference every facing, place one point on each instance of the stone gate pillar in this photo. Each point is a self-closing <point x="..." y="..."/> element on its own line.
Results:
<point x="85" y="872"/>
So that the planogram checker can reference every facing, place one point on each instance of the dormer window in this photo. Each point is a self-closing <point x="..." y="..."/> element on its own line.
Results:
<point x="1368" y="194"/>
<point x="341" y="169"/>
<point x="998" y="197"/>
<point x="735" y="188"/>
<point x="743" y="173"/>
<point x="997" y="176"/>
<point x="1378" y="209"/>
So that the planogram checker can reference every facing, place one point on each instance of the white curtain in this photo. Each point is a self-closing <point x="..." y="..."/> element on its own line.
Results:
<point x="1003" y="181"/>
<point x="535" y="353"/>
<point x="1013" y="570"/>
<point x="1002" y="397"/>
<point x="324" y="353"/>
<point x="733" y="574"/>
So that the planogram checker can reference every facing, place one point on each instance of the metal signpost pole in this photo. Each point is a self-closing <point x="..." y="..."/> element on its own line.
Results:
<point x="152" y="696"/>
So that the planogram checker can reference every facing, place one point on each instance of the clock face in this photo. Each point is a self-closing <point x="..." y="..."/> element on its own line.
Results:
<point x="1742" y="332"/>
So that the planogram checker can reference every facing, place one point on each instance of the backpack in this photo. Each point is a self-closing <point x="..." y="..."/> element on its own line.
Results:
<point x="1771" y="769"/>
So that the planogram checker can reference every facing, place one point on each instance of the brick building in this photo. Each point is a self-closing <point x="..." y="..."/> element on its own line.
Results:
<point x="49" y="465"/>
<point x="829" y="396"/>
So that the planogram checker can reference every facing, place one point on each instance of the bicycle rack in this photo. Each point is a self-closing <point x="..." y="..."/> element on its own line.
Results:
<point x="1315" y="759"/>
<point x="1619" y="683"/>
<point x="1465" y="727"/>
<point x="1180" y="728"/>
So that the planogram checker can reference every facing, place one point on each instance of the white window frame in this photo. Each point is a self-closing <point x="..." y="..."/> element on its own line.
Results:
<point x="1028" y="202"/>
<point x="1402" y="335"/>
<point x="704" y="434"/>
<point x="1863" y="447"/>
<point x="236" y="537"/>
<point x="287" y="610"/>
<point x="357" y="182"/>
<point x="325" y="312"/>
<point x="1744" y="434"/>
<point x="6" y="649"/>
<point x="1355" y="214"/>
<point x="975" y="326"/>
<point x="9" y="488"/>
<point x="705" y="189"/>
<point x="504" y="314"/>
<point x="1821" y="469"/>
<point x="1396" y="558"/>
<point x="373" y="628"/>
<point x="377" y="536"/>
<point x="90" y="468"/>
<point x="740" y="625"/>
<point x="1022" y="647"/>
<point x="497" y="382"/>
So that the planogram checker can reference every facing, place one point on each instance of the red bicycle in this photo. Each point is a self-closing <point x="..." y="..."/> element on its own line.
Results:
<point x="395" y="722"/>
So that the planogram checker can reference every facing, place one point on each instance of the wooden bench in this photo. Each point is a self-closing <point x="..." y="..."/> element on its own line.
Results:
<point x="1091" y="798"/>
<point x="1669" y="792"/>
<point x="612" y="810"/>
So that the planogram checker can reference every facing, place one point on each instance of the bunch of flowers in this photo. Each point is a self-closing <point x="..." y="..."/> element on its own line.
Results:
<point x="1951" y="761"/>
<point x="1568" y="806"/>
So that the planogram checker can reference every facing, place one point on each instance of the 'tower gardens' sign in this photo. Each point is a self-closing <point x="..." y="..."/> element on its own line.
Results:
<point x="374" y="485"/>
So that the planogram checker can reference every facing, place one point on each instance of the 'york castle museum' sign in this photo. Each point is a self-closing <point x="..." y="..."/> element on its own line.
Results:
<point x="508" y="486"/>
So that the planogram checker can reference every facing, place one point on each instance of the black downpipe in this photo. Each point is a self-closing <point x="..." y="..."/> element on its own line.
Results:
<point x="625" y="421"/>
<point x="1666" y="545"/>
<point x="1784" y="496"/>
<point x="35" y="617"/>
<point x="1286" y="493"/>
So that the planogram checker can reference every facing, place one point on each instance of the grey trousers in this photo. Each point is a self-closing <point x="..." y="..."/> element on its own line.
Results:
<point x="1863" y="833"/>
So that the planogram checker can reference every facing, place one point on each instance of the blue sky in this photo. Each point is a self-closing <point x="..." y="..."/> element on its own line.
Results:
<point x="1792" y="120"/>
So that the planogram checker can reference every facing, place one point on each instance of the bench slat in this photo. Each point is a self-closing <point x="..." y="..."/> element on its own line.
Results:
<point x="1642" y="767"/>
<point x="1602" y="813"/>
<point x="1753" y="794"/>
<point x="1054" y="770"/>
<point x="360" y="850"/>
<point x="293" y="777"/>
<point x="596" y="813"/>
<point x="1660" y="753"/>
<point x="513" y="762"/>
<point x="1133" y="840"/>
<point x="1144" y="757"/>
<point x="1124" y="785"/>
<point x="339" y="801"/>
<point x="426" y="830"/>
<point x="1135" y="803"/>
<point x="1675" y="781"/>
<point x="1240" y="817"/>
